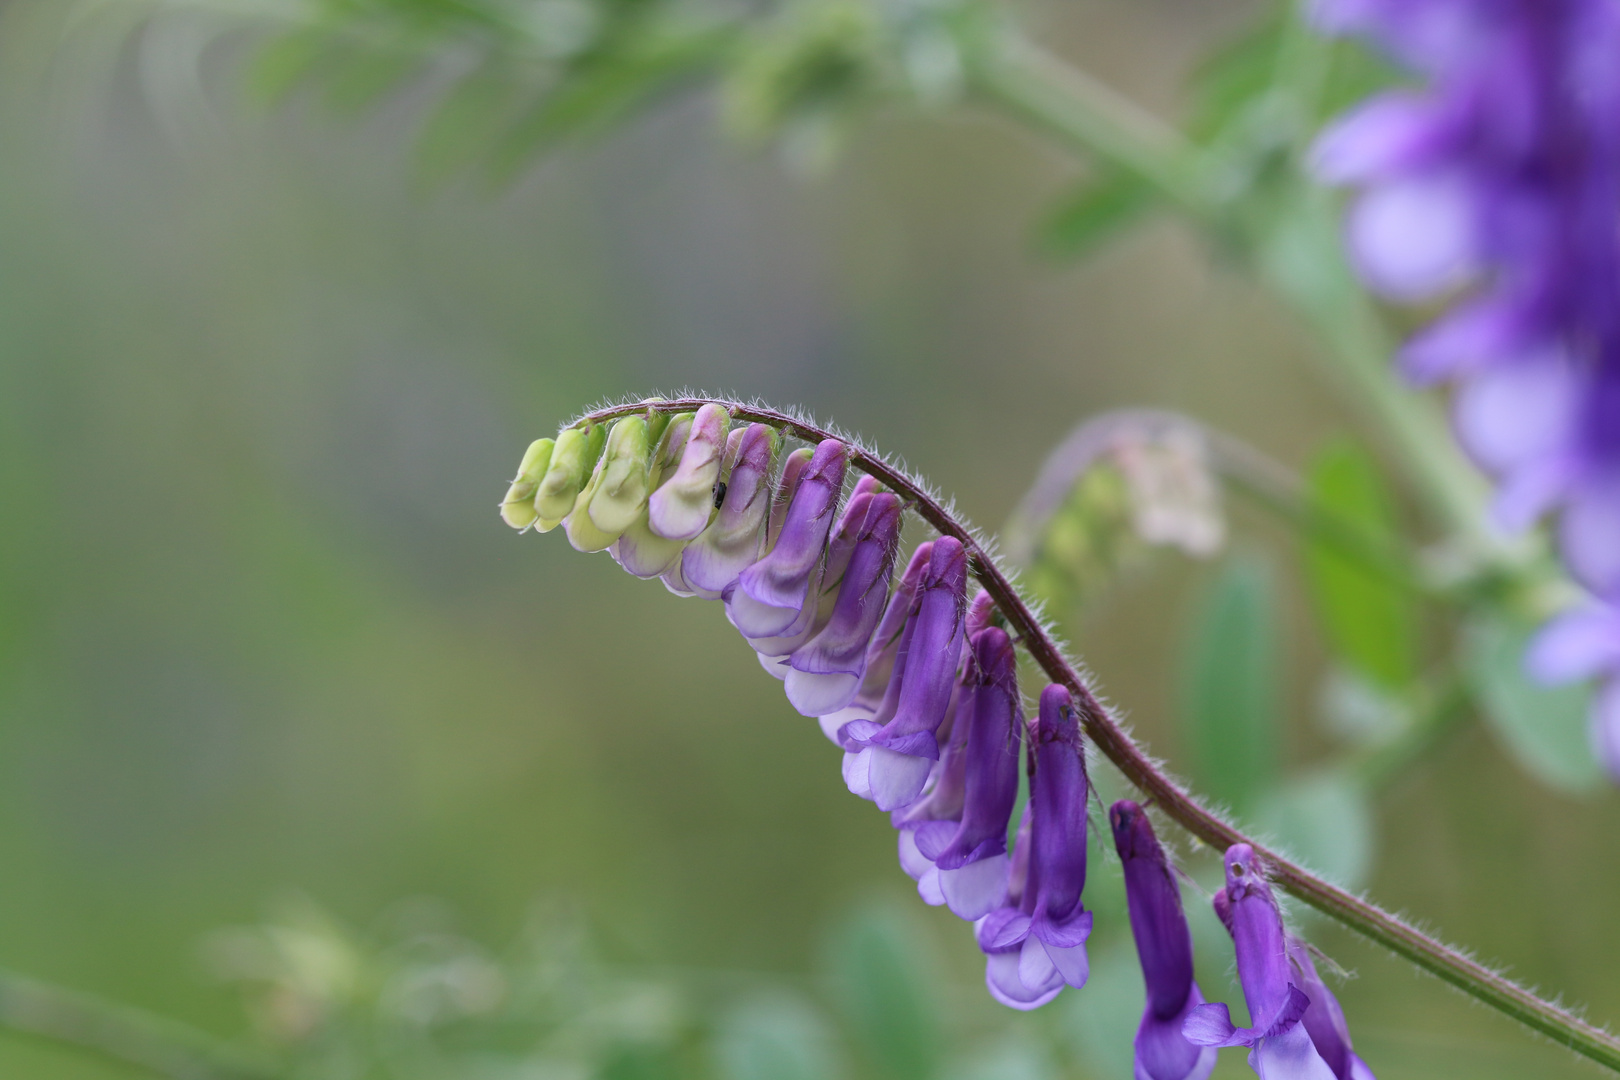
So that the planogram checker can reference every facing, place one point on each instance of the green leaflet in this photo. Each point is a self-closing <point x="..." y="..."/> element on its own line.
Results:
<point x="1543" y="728"/>
<point x="1370" y="622"/>
<point x="1229" y="685"/>
<point x="1092" y="214"/>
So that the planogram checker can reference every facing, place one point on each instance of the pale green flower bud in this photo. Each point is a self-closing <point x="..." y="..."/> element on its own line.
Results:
<point x="571" y="462"/>
<point x="518" y="507"/>
<point x="641" y="551"/>
<point x="681" y="508"/>
<point x="617" y="492"/>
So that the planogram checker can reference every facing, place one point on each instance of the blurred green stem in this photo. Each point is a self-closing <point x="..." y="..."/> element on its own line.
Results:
<point x="156" y="1045"/>
<point x="1295" y="253"/>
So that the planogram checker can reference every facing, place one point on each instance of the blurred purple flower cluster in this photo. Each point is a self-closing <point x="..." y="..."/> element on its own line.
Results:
<point x="1492" y="186"/>
<point x="918" y="687"/>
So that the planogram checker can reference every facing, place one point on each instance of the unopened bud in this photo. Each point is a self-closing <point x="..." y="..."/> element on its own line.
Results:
<point x="572" y="459"/>
<point x="681" y="508"/>
<point x="518" y="507"/>
<point x="617" y="491"/>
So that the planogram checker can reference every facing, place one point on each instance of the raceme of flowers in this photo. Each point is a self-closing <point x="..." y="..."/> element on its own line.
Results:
<point x="1494" y="186"/>
<point x="918" y="687"/>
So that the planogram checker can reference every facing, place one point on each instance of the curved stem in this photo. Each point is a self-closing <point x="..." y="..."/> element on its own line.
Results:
<point x="1466" y="974"/>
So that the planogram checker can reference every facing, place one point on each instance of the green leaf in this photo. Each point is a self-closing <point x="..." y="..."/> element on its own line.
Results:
<point x="1229" y="682"/>
<point x="1325" y="820"/>
<point x="881" y="979"/>
<point x="1371" y="622"/>
<point x="1093" y="213"/>
<point x="775" y="1037"/>
<point x="1543" y="728"/>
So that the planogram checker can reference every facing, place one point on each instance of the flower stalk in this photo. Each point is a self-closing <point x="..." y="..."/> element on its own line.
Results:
<point x="1101" y="727"/>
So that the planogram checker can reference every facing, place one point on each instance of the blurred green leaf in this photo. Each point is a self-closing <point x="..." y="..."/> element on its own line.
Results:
<point x="1543" y="728"/>
<point x="1233" y="76"/>
<point x="1101" y="1018"/>
<point x="1325" y="820"/>
<point x="1093" y="213"/>
<point x="1229" y="683"/>
<point x="1370" y="621"/>
<point x="775" y="1037"/>
<point x="880" y="975"/>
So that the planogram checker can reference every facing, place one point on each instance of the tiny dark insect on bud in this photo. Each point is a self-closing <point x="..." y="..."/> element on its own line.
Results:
<point x="719" y="493"/>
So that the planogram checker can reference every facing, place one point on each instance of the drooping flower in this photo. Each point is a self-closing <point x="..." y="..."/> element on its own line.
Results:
<point x="970" y="854"/>
<point x="1164" y="946"/>
<point x="826" y="672"/>
<point x="888" y="758"/>
<point x="641" y="550"/>
<point x="1036" y="943"/>
<point x="771" y="594"/>
<point x="883" y="656"/>
<point x="1279" y="1042"/>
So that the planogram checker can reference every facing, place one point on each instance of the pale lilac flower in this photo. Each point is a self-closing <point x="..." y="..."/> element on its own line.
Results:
<point x="970" y="854"/>
<point x="1280" y="1047"/>
<point x="1164" y="946"/>
<point x="888" y="758"/>
<point x="770" y="595"/>
<point x="1036" y="944"/>
<point x="680" y="507"/>
<point x="1585" y="644"/>
<point x="732" y="542"/>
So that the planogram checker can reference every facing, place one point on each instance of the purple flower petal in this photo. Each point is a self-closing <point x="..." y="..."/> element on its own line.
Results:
<point x="1388" y="134"/>
<point x="1605" y="727"/>
<point x="1589" y="536"/>
<point x="770" y="595"/>
<point x="1579" y="644"/>
<point x="1415" y="238"/>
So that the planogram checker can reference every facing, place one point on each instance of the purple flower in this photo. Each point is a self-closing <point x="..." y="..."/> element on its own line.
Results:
<point x="770" y="595"/>
<point x="969" y="855"/>
<point x="1036" y="943"/>
<point x="826" y="672"/>
<point x="1584" y="644"/>
<point x="731" y="543"/>
<point x="1164" y="946"/>
<point x="884" y="652"/>
<point x="1280" y="1045"/>
<point x="1503" y="174"/>
<point x="888" y="758"/>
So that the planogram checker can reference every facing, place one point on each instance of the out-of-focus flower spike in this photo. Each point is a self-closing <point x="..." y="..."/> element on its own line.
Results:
<point x="617" y="492"/>
<point x="680" y="509"/>
<point x="825" y="674"/>
<point x="892" y="760"/>
<point x="573" y="459"/>
<point x="733" y="539"/>
<point x="1279" y="1045"/>
<point x="1036" y="944"/>
<point x="787" y="485"/>
<point x="1164" y="946"/>
<point x="770" y="595"/>
<point x="882" y="663"/>
<point x="641" y="551"/>
<point x="517" y="509"/>
<point x="972" y="855"/>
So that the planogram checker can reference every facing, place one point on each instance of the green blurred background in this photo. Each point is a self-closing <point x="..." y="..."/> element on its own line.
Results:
<point x="263" y="635"/>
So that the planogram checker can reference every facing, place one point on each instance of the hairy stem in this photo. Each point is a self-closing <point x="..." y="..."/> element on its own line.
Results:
<point x="81" y="1022"/>
<point x="1105" y="732"/>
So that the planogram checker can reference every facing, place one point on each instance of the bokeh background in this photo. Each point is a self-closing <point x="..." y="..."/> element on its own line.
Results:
<point x="266" y="646"/>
